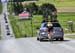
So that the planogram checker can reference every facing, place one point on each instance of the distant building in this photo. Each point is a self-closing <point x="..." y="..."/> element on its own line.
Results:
<point x="24" y="15"/>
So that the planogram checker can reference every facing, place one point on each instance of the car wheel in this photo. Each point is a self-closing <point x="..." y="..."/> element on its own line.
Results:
<point x="37" y="38"/>
<point x="57" y="39"/>
<point x="41" y="39"/>
<point x="61" y="39"/>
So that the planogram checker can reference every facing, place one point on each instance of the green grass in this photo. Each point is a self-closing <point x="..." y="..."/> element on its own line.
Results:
<point x="63" y="18"/>
<point x="0" y="8"/>
<point x="72" y="36"/>
<point x="22" y="27"/>
<point x="57" y="2"/>
<point x="0" y="13"/>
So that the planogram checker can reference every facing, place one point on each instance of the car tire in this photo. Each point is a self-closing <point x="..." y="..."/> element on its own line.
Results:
<point x="57" y="39"/>
<point x="61" y="39"/>
<point x="41" y="39"/>
<point x="37" y="38"/>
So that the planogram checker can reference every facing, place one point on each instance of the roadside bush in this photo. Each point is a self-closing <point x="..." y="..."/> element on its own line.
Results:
<point x="17" y="7"/>
<point x="32" y="8"/>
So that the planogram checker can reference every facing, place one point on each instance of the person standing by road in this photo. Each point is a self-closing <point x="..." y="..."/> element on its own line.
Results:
<point x="70" y="25"/>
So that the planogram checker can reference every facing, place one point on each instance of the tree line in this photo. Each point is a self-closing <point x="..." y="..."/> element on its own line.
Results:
<point x="18" y="7"/>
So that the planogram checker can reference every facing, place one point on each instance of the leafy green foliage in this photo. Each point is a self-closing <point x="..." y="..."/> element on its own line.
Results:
<point x="17" y="7"/>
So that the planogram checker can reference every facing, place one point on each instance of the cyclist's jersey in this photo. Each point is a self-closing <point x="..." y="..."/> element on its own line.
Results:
<point x="49" y="24"/>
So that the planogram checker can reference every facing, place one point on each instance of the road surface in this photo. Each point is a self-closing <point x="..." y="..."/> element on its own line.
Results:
<point x="31" y="45"/>
<point x="6" y="30"/>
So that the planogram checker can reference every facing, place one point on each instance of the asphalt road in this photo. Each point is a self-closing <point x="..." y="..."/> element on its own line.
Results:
<point x="31" y="45"/>
<point x="6" y="30"/>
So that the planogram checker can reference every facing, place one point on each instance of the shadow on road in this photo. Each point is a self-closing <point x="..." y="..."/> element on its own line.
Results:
<point x="55" y="41"/>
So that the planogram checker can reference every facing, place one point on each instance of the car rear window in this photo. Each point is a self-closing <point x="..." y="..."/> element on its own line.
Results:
<point x="56" y="24"/>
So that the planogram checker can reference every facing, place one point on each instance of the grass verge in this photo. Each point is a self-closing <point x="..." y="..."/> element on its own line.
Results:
<point x="24" y="27"/>
<point x="71" y="36"/>
<point x="0" y="8"/>
<point x="68" y="3"/>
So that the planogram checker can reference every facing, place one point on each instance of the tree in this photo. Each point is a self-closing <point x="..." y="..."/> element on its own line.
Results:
<point x="17" y="7"/>
<point x="32" y="8"/>
<point x="50" y="9"/>
<point x="35" y="8"/>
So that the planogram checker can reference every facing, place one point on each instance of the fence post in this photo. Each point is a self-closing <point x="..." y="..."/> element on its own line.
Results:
<point x="70" y="25"/>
